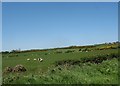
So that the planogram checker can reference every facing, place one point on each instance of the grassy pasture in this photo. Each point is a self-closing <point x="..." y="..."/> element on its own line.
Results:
<point x="48" y="59"/>
<point x="39" y="69"/>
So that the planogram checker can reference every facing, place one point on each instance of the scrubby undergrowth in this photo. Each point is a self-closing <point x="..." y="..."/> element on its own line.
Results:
<point x="95" y="59"/>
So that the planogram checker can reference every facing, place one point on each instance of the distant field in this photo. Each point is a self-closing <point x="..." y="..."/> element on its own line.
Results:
<point x="36" y="69"/>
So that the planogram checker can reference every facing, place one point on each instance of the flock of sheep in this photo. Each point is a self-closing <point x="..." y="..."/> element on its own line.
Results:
<point x="39" y="59"/>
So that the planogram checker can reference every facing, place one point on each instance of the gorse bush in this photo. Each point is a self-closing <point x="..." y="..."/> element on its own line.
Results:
<point x="17" y="68"/>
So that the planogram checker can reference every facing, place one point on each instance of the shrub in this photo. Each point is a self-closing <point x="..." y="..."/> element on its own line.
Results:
<point x="8" y="70"/>
<point x="45" y="53"/>
<point x="84" y="49"/>
<point x="19" y="68"/>
<point x="96" y="60"/>
<point x="80" y="49"/>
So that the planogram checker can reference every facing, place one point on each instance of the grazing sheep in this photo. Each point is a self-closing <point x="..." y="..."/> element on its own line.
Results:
<point x="34" y="59"/>
<point x="40" y="59"/>
<point x="28" y="59"/>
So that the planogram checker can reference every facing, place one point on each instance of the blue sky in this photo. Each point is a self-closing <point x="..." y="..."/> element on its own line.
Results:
<point x="48" y="25"/>
<point x="0" y="26"/>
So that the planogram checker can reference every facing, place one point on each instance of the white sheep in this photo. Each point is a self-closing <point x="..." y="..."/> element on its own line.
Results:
<point x="28" y="59"/>
<point x="40" y="59"/>
<point x="34" y="59"/>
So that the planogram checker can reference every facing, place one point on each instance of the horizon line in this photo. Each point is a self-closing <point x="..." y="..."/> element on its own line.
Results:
<point x="58" y="47"/>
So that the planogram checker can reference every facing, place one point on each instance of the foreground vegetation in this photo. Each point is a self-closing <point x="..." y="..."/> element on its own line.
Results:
<point x="99" y="65"/>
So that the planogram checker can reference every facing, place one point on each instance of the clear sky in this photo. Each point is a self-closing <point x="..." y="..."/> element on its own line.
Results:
<point x="48" y="25"/>
<point x="0" y="27"/>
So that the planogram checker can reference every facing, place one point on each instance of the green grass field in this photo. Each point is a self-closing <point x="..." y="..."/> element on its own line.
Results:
<point x="64" y="66"/>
